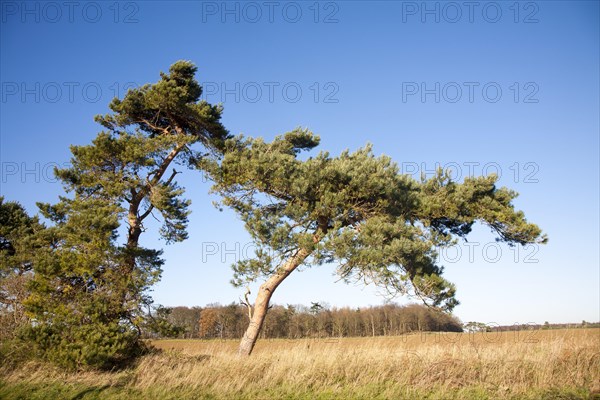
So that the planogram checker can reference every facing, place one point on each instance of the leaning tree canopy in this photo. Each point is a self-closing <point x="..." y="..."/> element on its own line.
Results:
<point x="359" y="211"/>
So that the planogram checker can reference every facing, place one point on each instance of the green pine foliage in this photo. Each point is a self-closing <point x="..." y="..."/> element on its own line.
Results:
<point x="79" y="319"/>
<point x="357" y="210"/>
<point x="89" y="299"/>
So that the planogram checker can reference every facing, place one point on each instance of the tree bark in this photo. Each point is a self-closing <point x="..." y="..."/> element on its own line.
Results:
<point x="261" y="305"/>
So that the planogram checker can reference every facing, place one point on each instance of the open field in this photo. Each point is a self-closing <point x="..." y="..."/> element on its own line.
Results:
<point x="540" y="364"/>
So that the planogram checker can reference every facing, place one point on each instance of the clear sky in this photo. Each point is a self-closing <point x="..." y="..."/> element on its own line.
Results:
<point x="478" y="87"/>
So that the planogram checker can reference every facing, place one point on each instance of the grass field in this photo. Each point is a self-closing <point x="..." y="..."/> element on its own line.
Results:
<point x="540" y="364"/>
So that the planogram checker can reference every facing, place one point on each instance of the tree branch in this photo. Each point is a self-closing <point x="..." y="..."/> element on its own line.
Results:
<point x="149" y="210"/>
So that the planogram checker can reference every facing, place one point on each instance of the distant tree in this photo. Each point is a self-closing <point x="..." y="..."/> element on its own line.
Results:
<point x="324" y="323"/>
<point x="232" y="319"/>
<point x="315" y="308"/>
<point x="210" y="325"/>
<point x="186" y="318"/>
<point x="277" y="323"/>
<point x="95" y="282"/>
<point x="356" y="209"/>
<point x="477" y="327"/>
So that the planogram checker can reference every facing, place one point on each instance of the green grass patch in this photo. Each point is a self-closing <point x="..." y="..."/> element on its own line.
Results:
<point x="60" y="391"/>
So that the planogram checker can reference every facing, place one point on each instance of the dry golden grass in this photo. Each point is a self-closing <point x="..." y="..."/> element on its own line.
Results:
<point x="558" y="364"/>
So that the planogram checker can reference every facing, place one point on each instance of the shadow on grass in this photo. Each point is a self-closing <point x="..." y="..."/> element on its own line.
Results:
<point x="92" y="390"/>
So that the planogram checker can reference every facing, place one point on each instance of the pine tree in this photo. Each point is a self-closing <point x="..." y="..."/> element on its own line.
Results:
<point x="89" y="295"/>
<point x="356" y="209"/>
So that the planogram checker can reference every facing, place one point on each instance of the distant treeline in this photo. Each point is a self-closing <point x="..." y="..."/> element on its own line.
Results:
<point x="492" y="327"/>
<point x="316" y="321"/>
<point x="532" y="326"/>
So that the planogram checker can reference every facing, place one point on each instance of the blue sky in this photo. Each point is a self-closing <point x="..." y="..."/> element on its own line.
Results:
<point x="504" y="87"/>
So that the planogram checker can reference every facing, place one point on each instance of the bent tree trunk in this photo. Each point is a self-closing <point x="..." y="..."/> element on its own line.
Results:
<point x="261" y="305"/>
